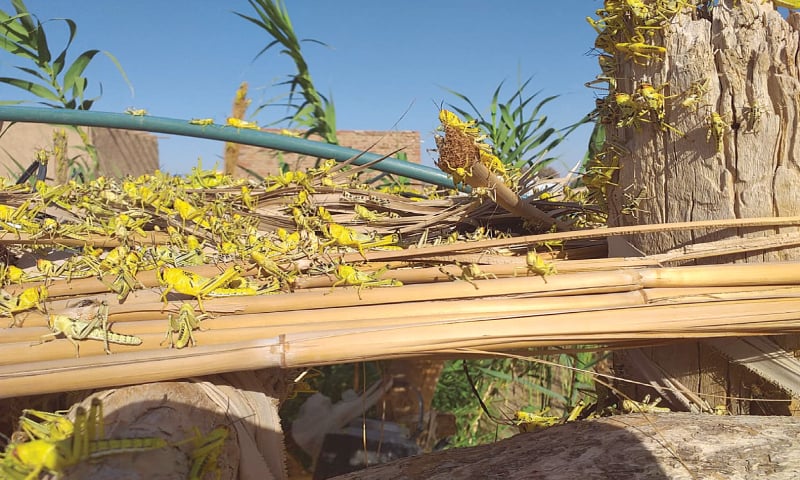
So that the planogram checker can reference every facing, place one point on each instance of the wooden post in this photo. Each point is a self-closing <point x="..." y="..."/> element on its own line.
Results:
<point x="725" y="147"/>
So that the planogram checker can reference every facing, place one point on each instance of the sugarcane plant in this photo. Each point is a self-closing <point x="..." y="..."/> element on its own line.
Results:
<point x="52" y="80"/>
<point x="315" y="112"/>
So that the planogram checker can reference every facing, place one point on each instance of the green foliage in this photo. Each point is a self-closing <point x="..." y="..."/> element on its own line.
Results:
<point x="53" y="80"/>
<point x="597" y="141"/>
<point x="520" y="134"/>
<point x="18" y="169"/>
<point x="508" y="385"/>
<point x="316" y="112"/>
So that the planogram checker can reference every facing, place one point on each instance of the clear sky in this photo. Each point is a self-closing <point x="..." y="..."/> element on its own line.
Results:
<point x="185" y="59"/>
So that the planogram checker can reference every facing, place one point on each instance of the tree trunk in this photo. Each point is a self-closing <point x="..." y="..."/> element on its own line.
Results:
<point x="409" y="401"/>
<point x="245" y="404"/>
<point x="726" y="147"/>
<point x="672" y="446"/>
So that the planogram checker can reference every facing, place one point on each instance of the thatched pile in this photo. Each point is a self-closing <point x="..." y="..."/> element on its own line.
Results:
<point x="434" y="276"/>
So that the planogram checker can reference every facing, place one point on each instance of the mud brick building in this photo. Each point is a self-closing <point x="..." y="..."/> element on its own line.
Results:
<point x="130" y="152"/>
<point x="121" y="152"/>
<point x="265" y="162"/>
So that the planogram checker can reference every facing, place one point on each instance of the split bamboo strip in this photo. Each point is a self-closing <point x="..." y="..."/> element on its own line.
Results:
<point x="694" y="321"/>
<point x="709" y="319"/>
<point x="228" y="329"/>
<point x="420" y="312"/>
<point x="515" y="266"/>
<point x="63" y="349"/>
<point x="556" y="285"/>
<point x="580" y="258"/>
<point x="234" y="327"/>
<point x="98" y="241"/>
<point x="132" y="368"/>
<point x="783" y="273"/>
<point x="729" y="246"/>
<point x="706" y="294"/>
<point x="421" y="253"/>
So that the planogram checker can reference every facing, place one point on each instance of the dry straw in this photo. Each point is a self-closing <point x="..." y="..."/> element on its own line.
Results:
<point x="485" y="293"/>
<point x="320" y="326"/>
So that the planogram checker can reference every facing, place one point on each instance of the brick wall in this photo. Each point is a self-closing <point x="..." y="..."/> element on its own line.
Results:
<point x="121" y="152"/>
<point x="125" y="152"/>
<point x="130" y="152"/>
<point x="266" y="162"/>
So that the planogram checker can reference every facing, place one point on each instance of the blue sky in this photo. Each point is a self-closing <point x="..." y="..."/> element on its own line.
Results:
<point x="185" y="58"/>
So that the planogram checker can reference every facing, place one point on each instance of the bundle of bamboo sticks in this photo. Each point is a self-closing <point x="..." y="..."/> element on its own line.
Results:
<point x="464" y="290"/>
<point x="618" y="302"/>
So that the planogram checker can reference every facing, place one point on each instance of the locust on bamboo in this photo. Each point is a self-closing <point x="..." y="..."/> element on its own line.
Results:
<point x="96" y="327"/>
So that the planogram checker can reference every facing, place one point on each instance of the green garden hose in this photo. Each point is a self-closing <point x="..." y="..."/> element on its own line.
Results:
<point x="224" y="133"/>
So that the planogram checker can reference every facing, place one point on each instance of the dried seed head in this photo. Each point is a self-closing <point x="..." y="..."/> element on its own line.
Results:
<point x="457" y="150"/>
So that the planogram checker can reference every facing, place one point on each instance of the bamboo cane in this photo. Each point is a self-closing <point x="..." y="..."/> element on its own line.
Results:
<point x="563" y="309"/>
<point x="319" y="347"/>
<point x="432" y="334"/>
<point x="132" y="368"/>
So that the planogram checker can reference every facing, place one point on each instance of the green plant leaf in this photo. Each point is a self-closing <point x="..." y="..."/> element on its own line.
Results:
<point x="58" y="64"/>
<point x="508" y="377"/>
<point x="75" y="70"/>
<point x="18" y="49"/>
<point x="34" y="88"/>
<point x="12" y="30"/>
<point x="330" y="116"/>
<point x="42" y="50"/>
<point x="35" y="73"/>
<point x="78" y="89"/>
<point x="26" y="19"/>
<point x="120" y="70"/>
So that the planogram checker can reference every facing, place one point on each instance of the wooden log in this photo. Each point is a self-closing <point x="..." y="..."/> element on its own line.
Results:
<point x="673" y="446"/>
<point x="245" y="404"/>
<point x="725" y="149"/>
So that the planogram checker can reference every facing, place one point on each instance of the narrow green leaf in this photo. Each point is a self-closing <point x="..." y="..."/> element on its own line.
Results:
<point x="75" y="70"/>
<point x="24" y="14"/>
<point x="35" y="73"/>
<point x="42" y="49"/>
<point x="120" y="70"/>
<point x="79" y="88"/>
<point x="18" y="50"/>
<point x="525" y="382"/>
<point x="30" y="87"/>
<point x="330" y="120"/>
<point x="58" y="64"/>
<point x="13" y="36"/>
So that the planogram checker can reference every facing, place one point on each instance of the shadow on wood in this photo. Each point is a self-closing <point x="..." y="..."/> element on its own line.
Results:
<point x="634" y="447"/>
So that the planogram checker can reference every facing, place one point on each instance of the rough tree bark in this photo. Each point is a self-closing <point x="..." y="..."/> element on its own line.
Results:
<point x="415" y="382"/>
<point x="738" y="59"/>
<point x="674" y="446"/>
<point x="245" y="403"/>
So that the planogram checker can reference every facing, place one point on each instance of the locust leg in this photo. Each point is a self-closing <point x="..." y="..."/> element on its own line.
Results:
<point x="86" y="329"/>
<point x="102" y="312"/>
<point x="218" y="281"/>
